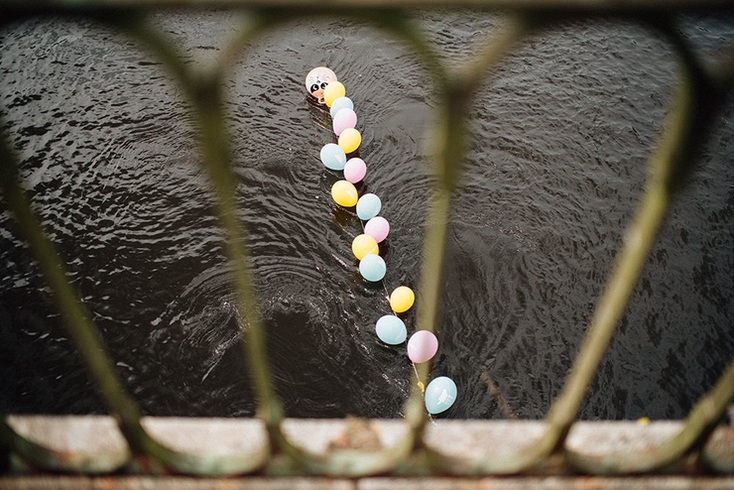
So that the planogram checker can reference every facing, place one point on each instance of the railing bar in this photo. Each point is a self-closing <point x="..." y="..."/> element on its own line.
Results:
<point x="700" y="423"/>
<point x="696" y="106"/>
<point x="205" y="96"/>
<point x="204" y="93"/>
<point x="702" y="94"/>
<point x="700" y="99"/>
<point x="680" y="137"/>
<point x="628" y="266"/>
<point x="89" y="342"/>
<point x="447" y="154"/>
<point x="77" y="319"/>
<point x="49" y="459"/>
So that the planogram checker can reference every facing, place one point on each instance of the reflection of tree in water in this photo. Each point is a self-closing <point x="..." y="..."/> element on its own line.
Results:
<point x="494" y="390"/>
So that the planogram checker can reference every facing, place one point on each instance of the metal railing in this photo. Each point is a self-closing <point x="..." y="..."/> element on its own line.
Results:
<point x="701" y="92"/>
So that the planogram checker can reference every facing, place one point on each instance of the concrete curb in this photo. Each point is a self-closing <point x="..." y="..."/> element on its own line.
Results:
<point x="461" y="438"/>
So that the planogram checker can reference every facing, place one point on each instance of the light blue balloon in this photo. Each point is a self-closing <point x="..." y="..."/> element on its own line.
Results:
<point x="440" y="395"/>
<point x="372" y="267"/>
<point x="341" y="103"/>
<point x="333" y="157"/>
<point x="391" y="330"/>
<point x="368" y="207"/>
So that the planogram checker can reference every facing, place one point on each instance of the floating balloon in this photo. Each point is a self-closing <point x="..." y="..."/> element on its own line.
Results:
<point x="368" y="206"/>
<point x="354" y="170"/>
<point x="349" y="140"/>
<point x="391" y="330"/>
<point x="363" y="245"/>
<point x="422" y="346"/>
<point x="344" y="119"/>
<point x="401" y="299"/>
<point x="440" y="395"/>
<point x="372" y="267"/>
<point x="344" y="193"/>
<point x="341" y="103"/>
<point x="378" y="228"/>
<point x="333" y="157"/>
<point x="333" y="91"/>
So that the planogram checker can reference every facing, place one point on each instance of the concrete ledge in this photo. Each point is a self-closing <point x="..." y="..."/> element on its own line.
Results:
<point x="94" y="435"/>
<point x="385" y="483"/>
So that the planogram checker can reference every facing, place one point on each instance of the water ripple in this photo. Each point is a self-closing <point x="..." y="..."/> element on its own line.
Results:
<point x="556" y="164"/>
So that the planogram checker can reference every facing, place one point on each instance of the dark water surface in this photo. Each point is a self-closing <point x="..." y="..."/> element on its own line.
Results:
<point x="556" y="164"/>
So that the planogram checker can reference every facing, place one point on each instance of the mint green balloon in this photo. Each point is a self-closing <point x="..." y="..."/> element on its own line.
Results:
<point x="391" y="330"/>
<point x="440" y="395"/>
<point x="372" y="267"/>
<point x="341" y="103"/>
<point x="333" y="157"/>
<point x="368" y="206"/>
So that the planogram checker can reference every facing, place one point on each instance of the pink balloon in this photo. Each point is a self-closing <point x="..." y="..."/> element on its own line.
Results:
<point x="344" y="119"/>
<point x="355" y="170"/>
<point x="378" y="228"/>
<point x="422" y="346"/>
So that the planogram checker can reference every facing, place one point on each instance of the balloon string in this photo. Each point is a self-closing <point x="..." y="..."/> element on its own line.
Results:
<point x="418" y="377"/>
<point x="422" y="387"/>
<point x="420" y="384"/>
<point x="384" y="287"/>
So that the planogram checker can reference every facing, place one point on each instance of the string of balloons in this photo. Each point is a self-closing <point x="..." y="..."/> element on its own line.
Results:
<point x="322" y="84"/>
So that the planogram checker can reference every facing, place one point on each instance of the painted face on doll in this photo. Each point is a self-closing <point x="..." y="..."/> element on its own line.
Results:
<point x="317" y="79"/>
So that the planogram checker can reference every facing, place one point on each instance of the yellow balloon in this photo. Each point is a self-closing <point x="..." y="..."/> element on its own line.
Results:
<point x="333" y="91"/>
<point x="402" y="299"/>
<point x="349" y="140"/>
<point x="363" y="245"/>
<point x="344" y="193"/>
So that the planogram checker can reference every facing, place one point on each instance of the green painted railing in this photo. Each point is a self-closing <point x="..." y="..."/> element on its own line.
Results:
<point x="702" y="91"/>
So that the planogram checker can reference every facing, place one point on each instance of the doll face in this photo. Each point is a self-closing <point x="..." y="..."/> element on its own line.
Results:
<point x="317" y="79"/>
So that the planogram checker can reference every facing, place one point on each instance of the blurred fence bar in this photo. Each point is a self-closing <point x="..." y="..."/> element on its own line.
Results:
<point x="274" y="446"/>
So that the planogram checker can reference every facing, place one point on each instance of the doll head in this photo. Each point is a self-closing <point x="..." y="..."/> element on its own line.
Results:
<point x="317" y="79"/>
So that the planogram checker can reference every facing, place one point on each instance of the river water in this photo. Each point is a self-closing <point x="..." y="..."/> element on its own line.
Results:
<point x="555" y="167"/>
